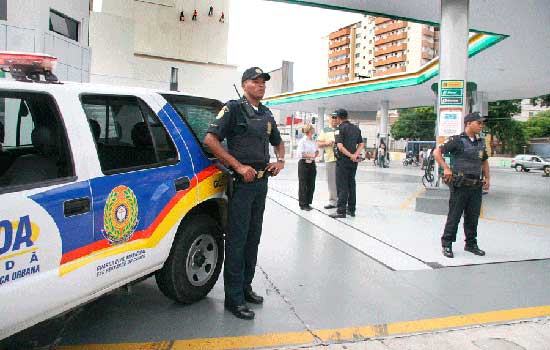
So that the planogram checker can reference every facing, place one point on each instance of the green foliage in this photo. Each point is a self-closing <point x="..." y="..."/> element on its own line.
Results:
<point x="543" y="101"/>
<point x="538" y="126"/>
<point x="508" y="131"/>
<point x="415" y="124"/>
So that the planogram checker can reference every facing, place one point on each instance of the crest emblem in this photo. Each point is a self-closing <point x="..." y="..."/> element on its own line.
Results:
<point x="269" y="128"/>
<point x="222" y="112"/>
<point x="480" y="154"/>
<point x="259" y="71"/>
<point x="120" y="216"/>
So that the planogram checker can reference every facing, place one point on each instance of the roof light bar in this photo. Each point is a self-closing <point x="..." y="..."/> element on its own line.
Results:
<point x="28" y="67"/>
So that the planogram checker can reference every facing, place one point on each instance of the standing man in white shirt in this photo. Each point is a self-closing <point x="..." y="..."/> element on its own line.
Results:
<point x="326" y="141"/>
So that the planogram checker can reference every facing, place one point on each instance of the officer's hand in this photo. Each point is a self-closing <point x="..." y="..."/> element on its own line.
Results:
<point x="486" y="184"/>
<point x="447" y="175"/>
<point x="275" y="168"/>
<point x="247" y="172"/>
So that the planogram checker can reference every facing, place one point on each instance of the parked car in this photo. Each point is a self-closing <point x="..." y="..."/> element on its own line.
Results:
<point x="100" y="187"/>
<point x="527" y="162"/>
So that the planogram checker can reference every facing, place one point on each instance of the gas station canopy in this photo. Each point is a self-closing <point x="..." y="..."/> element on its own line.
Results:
<point x="508" y="49"/>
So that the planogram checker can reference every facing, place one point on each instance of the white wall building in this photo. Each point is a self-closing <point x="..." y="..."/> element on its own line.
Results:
<point x="55" y="27"/>
<point x="528" y="110"/>
<point x="144" y="43"/>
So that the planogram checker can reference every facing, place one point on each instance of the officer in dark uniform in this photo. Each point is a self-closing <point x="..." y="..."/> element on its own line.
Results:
<point x="349" y="145"/>
<point x="249" y="128"/>
<point x="470" y="173"/>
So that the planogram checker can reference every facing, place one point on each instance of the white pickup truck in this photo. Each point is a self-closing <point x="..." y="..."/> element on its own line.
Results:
<point x="101" y="186"/>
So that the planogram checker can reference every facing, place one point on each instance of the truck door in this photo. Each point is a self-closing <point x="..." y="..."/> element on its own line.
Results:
<point x="45" y="211"/>
<point x="145" y="172"/>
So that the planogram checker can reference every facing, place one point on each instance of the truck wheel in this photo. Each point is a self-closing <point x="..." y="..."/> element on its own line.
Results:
<point x="526" y="170"/>
<point x="195" y="261"/>
<point x="518" y="168"/>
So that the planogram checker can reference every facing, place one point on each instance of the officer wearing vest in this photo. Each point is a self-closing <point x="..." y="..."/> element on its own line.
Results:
<point x="249" y="128"/>
<point x="470" y="173"/>
<point x="349" y="145"/>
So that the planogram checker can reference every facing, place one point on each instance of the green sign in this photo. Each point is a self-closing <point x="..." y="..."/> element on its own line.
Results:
<point x="452" y="93"/>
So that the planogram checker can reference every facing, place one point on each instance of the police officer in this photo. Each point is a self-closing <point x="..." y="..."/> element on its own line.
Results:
<point x="469" y="158"/>
<point x="349" y="145"/>
<point x="249" y="128"/>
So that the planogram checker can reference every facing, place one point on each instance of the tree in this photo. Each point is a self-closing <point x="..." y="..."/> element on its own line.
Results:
<point x="415" y="124"/>
<point x="508" y="131"/>
<point x="542" y="100"/>
<point x="538" y="126"/>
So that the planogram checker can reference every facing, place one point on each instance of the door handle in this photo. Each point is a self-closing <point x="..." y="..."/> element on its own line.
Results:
<point x="76" y="206"/>
<point x="182" y="183"/>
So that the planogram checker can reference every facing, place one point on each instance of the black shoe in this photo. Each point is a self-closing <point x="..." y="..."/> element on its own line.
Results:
<point x="329" y="206"/>
<point x="337" y="216"/>
<point x="474" y="249"/>
<point x="448" y="252"/>
<point x="351" y="213"/>
<point x="241" y="311"/>
<point x="305" y="207"/>
<point x="252" y="297"/>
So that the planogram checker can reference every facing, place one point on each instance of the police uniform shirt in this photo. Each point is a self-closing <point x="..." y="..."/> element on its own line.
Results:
<point x="476" y="153"/>
<point x="348" y="135"/>
<point x="247" y="139"/>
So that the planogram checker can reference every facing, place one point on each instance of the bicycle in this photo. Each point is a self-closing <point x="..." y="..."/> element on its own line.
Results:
<point x="428" y="179"/>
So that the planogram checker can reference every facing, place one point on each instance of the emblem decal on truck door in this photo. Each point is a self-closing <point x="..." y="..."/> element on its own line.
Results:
<point x="120" y="216"/>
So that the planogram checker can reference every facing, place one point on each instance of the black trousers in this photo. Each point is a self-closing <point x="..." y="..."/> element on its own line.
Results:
<point x="465" y="200"/>
<point x="345" y="185"/>
<point x="246" y="212"/>
<point x="307" y="172"/>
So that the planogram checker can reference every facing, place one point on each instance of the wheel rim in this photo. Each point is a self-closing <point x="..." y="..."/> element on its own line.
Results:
<point x="201" y="260"/>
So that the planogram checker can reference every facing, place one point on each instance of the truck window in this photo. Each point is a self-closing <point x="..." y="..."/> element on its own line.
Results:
<point x="34" y="145"/>
<point x="128" y="135"/>
<point x="196" y="112"/>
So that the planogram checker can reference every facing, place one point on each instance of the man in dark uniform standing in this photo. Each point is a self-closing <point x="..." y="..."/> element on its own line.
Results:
<point x="249" y="128"/>
<point x="349" y="145"/>
<point x="466" y="181"/>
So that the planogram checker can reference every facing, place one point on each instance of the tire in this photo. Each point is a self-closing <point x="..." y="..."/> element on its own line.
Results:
<point x="518" y="168"/>
<point x="405" y="163"/>
<point x="526" y="170"/>
<point x="195" y="260"/>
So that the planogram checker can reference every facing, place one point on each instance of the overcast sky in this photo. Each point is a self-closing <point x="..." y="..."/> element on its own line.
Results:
<point x="264" y="33"/>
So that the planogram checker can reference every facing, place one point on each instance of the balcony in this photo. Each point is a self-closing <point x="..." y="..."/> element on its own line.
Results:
<point x="332" y="73"/>
<point x="380" y="20"/>
<point x="390" y="60"/>
<point x="427" y="55"/>
<point x="390" y="71"/>
<point x="339" y="43"/>
<point x="389" y="28"/>
<point x="338" y="53"/>
<point x="428" y="32"/>
<point x="390" y="38"/>
<point x="341" y="32"/>
<point x="393" y="48"/>
<point x="426" y="43"/>
<point x="339" y="62"/>
<point x="338" y="81"/>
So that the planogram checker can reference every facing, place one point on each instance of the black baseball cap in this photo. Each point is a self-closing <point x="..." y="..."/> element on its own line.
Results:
<point x="253" y="73"/>
<point x="340" y="113"/>
<point x="473" y="117"/>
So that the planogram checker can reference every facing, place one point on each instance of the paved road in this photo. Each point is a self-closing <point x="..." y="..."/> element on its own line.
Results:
<point x="378" y="275"/>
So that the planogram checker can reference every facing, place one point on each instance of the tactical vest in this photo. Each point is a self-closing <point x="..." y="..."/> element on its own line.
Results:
<point x="468" y="162"/>
<point x="249" y="144"/>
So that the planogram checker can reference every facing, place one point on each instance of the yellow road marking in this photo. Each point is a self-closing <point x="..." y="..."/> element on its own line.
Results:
<point x="411" y="199"/>
<point x="334" y="335"/>
<point x="481" y="213"/>
<point x="518" y="222"/>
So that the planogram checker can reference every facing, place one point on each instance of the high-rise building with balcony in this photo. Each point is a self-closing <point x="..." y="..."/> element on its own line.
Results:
<point x="378" y="46"/>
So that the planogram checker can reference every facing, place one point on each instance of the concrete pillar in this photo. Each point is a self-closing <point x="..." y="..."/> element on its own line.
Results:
<point x="453" y="63"/>
<point x="384" y="121"/>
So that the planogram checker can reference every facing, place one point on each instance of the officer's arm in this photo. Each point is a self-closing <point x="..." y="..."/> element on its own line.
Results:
<point x="447" y="172"/>
<point x="279" y="165"/>
<point x="343" y="150"/>
<point x="487" y="175"/>
<point x="215" y="146"/>
<point x="360" y="148"/>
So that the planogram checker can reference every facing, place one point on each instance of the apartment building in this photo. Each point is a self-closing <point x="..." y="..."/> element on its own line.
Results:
<point x="378" y="46"/>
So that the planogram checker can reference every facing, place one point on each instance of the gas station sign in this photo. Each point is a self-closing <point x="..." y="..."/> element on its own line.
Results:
<point x="452" y="93"/>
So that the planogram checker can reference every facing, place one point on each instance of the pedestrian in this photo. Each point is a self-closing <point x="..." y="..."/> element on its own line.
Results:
<point x="195" y="13"/>
<point x="349" y="144"/>
<point x="211" y="11"/>
<point x="307" y="151"/>
<point x="469" y="159"/>
<point x="249" y="128"/>
<point x="222" y="18"/>
<point x="326" y="141"/>
<point x="423" y="158"/>
<point x="382" y="154"/>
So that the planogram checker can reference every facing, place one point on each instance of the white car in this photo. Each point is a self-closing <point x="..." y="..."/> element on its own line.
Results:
<point x="101" y="186"/>
<point x="527" y="162"/>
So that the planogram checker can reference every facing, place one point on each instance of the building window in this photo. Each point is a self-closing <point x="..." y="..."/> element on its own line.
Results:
<point x="63" y="25"/>
<point x="357" y="55"/>
<point x="174" y="79"/>
<point x="4" y="10"/>
<point x="358" y="45"/>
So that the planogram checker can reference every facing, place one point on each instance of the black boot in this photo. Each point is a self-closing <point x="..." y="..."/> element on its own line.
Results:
<point x="448" y="252"/>
<point x="252" y="297"/>
<point x="474" y="249"/>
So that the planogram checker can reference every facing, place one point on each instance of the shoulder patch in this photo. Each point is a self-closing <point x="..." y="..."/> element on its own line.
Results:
<point x="222" y="111"/>
<point x="337" y="132"/>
